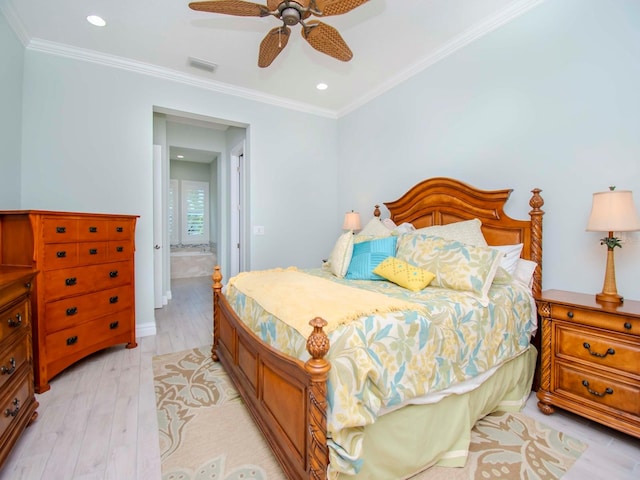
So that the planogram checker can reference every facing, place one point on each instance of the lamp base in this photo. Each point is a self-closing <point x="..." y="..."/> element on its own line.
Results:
<point x="613" y="298"/>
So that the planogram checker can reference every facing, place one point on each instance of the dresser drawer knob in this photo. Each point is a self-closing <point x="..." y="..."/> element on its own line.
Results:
<point x="113" y="273"/>
<point x="61" y="254"/>
<point x="607" y="391"/>
<point x="610" y="351"/>
<point x="627" y="325"/>
<point x="72" y="311"/>
<point x="72" y="340"/>
<point x="9" y="370"/>
<point x="93" y="251"/>
<point x="61" y="229"/>
<point x="119" y="229"/>
<point x="113" y="325"/>
<point x="71" y="281"/>
<point x="570" y="314"/>
<point x="12" y="413"/>
<point x="93" y="229"/>
<point x="15" y="323"/>
<point x="113" y="299"/>
<point x="119" y="249"/>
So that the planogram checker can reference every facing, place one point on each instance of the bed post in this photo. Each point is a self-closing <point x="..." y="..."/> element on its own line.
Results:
<point x="318" y="368"/>
<point x="217" y="289"/>
<point x="536" y="214"/>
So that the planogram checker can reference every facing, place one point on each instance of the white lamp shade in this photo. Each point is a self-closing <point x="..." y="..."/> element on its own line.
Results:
<point x="351" y="221"/>
<point x="613" y="211"/>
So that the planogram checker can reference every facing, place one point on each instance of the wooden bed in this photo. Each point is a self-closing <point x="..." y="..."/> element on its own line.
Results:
<point x="287" y="397"/>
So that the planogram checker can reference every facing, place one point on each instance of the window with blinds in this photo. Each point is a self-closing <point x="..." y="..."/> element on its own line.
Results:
<point x="192" y="227"/>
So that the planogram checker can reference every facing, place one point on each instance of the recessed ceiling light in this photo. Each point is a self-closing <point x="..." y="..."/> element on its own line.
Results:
<point x="96" y="20"/>
<point x="322" y="86"/>
<point x="180" y="156"/>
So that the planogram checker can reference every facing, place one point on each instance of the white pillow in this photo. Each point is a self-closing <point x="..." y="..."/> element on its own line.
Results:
<point x="467" y="231"/>
<point x="510" y="256"/>
<point x="374" y="228"/>
<point x="524" y="272"/>
<point x="341" y="254"/>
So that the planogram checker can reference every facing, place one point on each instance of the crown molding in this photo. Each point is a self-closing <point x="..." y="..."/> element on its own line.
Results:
<point x="15" y="23"/>
<point x="113" y="61"/>
<point x="465" y="38"/>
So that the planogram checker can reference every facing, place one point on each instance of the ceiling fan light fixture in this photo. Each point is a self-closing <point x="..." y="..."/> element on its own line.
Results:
<point x="290" y="16"/>
<point x="322" y="86"/>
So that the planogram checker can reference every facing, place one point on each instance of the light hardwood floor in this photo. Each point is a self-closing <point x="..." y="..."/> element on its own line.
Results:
<point x="98" y="421"/>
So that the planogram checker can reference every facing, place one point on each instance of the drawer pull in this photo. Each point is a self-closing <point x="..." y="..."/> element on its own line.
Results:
<point x="61" y="254"/>
<point x="14" y="412"/>
<point x="17" y="322"/>
<point x="93" y="229"/>
<point x="93" y="251"/>
<point x="72" y="340"/>
<point x="119" y="229"/>
<point x="610" y="351"/>
<point x="11" y="369"/>
<point x="627" y="325"/>
<point x="113" y="273"/>
<point x="607" y="391"/>
<point x="119" y="249"/>
<point x="113" y="325"/>
<point x="61" y="229"/>
<point x="570" y="314"/>
<point x="72" y="311"/>
<point x="69" y="282"/>
<point x="113" y="299"/>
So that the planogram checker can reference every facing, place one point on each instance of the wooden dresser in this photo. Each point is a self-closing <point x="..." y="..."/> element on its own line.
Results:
<point x="590" y="359"/>
<point x="84" y="296"/>
<point x="17" y="400"/>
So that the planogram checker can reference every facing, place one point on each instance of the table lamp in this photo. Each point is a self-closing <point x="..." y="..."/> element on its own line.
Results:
<point x="351" y="221"/>
<point x="612" y="211"/>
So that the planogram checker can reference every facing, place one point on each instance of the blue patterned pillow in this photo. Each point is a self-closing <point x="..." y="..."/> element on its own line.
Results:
<point x="368" y="255"/>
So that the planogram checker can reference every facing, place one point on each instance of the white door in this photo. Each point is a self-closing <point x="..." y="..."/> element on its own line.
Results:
<point x="157" y="227"/>
<point x="237" y="156"/>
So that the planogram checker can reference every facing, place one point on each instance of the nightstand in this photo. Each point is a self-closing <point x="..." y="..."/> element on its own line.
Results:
<point x="590" y="359"/>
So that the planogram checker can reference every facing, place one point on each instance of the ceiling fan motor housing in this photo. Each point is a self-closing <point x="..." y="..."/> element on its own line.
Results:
<point x="289" y="13"/>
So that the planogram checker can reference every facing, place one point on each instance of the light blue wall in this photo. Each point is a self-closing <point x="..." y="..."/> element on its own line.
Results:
<point x="11" y="60"/>
<point x="550" y="100"/>
<point x="88" y="134"/>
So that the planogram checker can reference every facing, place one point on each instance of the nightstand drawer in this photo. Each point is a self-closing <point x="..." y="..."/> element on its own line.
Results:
<point x="598" y="389"/>
<point x="603" y="350"/>
<point x="618" y="323"/>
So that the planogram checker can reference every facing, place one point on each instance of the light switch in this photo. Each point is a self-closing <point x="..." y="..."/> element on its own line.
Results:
<point x="258" y="230"/>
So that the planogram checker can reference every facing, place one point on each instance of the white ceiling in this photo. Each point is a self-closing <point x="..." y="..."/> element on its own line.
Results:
<point x="390" y="39"/>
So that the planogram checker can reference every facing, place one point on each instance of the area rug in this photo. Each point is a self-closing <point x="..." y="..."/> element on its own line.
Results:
<point x="207" y="433"/>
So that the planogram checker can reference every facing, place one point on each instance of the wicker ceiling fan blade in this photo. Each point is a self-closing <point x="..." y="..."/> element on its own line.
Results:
<point x="272" y="45"/>
<point x="273" y="4"/>
<point x="326" y="39"/>
<point x="231" y="7"/>
<point x="337" y="7"/>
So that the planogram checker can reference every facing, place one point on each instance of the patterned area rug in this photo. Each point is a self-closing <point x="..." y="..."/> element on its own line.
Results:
<point x="206" y="433"/>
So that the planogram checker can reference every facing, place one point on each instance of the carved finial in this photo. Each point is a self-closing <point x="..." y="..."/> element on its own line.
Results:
<point x="376" y="211"/>
<point x="217" y="278"/>
<point x="536" y="201"/>
<point x="318" y="342"/>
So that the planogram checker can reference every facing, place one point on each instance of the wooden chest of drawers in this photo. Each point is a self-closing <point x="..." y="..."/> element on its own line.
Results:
<point x="84" y="297"/>
<point x="17" y="400"/>
<point x="590" y="359"/>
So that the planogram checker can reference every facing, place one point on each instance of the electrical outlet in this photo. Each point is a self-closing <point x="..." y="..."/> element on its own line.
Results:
<point x="258" y="230"/>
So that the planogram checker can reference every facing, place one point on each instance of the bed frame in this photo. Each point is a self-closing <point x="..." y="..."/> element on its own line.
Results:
<point x="287" y="397"/>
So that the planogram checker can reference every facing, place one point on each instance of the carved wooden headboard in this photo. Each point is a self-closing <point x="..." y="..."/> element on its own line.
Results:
<point x="439" y="201"/>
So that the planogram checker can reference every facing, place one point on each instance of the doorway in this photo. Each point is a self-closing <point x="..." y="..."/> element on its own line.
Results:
<point x="205" y="145"/>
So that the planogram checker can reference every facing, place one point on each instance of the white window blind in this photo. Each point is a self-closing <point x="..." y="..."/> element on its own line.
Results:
<point x="195" y="211"/>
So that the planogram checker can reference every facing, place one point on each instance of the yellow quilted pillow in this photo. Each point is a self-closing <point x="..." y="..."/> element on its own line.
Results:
<point x="404" y="274"/>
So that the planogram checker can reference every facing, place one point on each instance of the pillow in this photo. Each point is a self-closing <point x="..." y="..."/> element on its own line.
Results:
<point x="404" y="274"/>
<point x="524" y="272"/>
<point x="457" y="266"/>
<point x="368" y="255"/>
<point x="510" y="256"/>
<point x="374" y="228"/>
<point x="341" y="254"/>
<point x="467" y="231"/>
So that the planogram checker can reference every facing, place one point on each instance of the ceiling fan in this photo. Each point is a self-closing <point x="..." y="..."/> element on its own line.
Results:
<point x="320" y="36"/>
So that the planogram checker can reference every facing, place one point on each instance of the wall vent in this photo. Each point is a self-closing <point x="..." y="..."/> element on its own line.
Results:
<point x="202" y="64"/>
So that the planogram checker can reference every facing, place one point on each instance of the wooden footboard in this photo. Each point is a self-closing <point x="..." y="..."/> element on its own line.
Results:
<point x="287" y="398"/>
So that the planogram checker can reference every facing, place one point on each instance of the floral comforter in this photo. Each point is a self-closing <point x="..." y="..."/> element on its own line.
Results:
<point x="386" y="360"/>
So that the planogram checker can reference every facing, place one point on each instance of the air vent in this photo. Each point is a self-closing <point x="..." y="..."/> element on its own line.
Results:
<point x="202" y="64"/>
